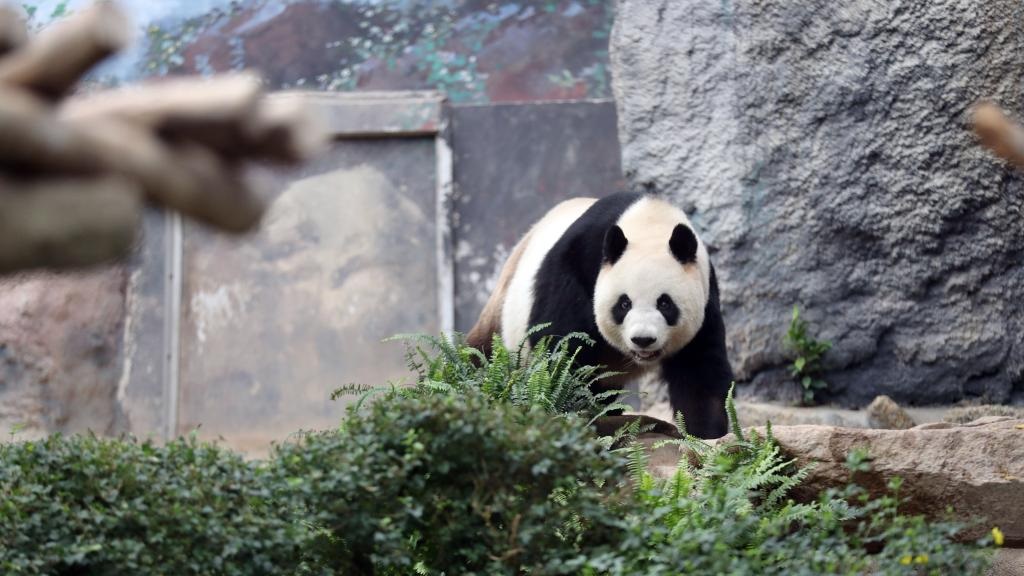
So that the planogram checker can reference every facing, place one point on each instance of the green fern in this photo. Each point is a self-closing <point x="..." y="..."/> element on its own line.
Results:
<point x="736" y="479"/>
<point x="544" y="375"/>
<point x="740" y="478"/>
<point x="730" y="410"/>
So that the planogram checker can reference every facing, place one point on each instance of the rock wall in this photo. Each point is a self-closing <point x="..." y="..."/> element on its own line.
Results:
<point x="823" y="152"/>
<point x="60" y="351"/>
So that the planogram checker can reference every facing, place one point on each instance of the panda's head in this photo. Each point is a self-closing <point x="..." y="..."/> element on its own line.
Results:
<point x="653" y="286"/>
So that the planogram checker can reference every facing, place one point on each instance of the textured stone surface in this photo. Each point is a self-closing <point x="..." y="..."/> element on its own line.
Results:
<point x="60" y="351"/>
<point x="977" y="469"/>
<point x="964" y="414"/>
<point x="757" y="413"/>
<point x="1008" y="562"/>
<point x="821" y="149"/>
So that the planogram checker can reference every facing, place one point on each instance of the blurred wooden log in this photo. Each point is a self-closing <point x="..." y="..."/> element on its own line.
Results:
<point x="12" y="29"/>
<point x="75" y="175"/>
<point x="228" y="114"/>
<point x="33" y="140"/>
<point x="221" y="194"/>
<point x="216" y="112"/>
<point x="184" y="176"/>
<point x="53" y="62"/>
<point x="287" y="131"/>
<point x="999" y="133"/>
<point x="63" y="223"/>
<point x="181" y="176"/>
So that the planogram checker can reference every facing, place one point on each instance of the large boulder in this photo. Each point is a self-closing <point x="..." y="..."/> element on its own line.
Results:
<point x="821" y="149"/>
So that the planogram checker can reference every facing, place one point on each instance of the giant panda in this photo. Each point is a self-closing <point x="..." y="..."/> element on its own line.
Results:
<point x="628" y="270"/>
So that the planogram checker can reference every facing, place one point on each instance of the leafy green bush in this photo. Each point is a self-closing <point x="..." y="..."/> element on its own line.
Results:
<point x="83" y="505"/>
<point x="543" y="376"/>
<point x="453" y="485"/>
<point x="806" y="367"/>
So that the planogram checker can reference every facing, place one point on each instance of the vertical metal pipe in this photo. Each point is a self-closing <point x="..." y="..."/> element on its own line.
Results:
<point x="172" y="321"/>
<point x="444" y="249"/>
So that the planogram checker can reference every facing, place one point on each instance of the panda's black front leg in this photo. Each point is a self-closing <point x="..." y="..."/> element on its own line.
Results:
<point x="699" y="375"/>
<point x="697" y="387"/>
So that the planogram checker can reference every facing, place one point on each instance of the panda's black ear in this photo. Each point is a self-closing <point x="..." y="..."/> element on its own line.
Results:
<point x="614" y="244"/>
<point x="683" y="244"/>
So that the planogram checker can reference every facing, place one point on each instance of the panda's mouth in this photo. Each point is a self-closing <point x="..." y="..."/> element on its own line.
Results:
<point x="645" y="355"/>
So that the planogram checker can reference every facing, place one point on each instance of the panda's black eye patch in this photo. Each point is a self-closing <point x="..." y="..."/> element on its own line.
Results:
<point x="622" y="307"/>
<point x="668" y="309"/>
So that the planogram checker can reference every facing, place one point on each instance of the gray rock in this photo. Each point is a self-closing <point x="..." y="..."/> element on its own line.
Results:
<point x="886" y="414"/>
<point x="935" y="426"/>
<point x="753" y="414"/>
<point x="822" y="150"/>
<point x="757" y="414"/>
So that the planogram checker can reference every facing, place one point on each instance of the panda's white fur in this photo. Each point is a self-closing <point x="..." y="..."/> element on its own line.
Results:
<point x="645" y="271"/>
<point x="515" y="313"/>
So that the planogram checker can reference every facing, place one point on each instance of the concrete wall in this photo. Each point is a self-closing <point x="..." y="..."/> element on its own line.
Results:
<point x="273" y="323"/>
<point x="513" y="162"/>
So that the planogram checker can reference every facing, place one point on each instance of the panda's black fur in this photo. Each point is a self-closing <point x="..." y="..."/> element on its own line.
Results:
<point x="698" y="375"/>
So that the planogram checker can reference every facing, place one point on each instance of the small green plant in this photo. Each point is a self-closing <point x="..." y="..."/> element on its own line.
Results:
<point x="544" y="376"/>
<point x="806" y="367"/>
<point x="37" y="20"/>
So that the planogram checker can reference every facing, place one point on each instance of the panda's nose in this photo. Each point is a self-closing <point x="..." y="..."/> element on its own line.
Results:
<point x="643" y="341"/>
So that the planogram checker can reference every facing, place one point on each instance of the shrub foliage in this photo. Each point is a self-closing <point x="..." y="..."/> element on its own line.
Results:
<point x="452" y="485"/>
<point x="84" y="505"/>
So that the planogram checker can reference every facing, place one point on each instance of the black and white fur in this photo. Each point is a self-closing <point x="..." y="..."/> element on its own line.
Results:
<point x="629" y="271"/>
